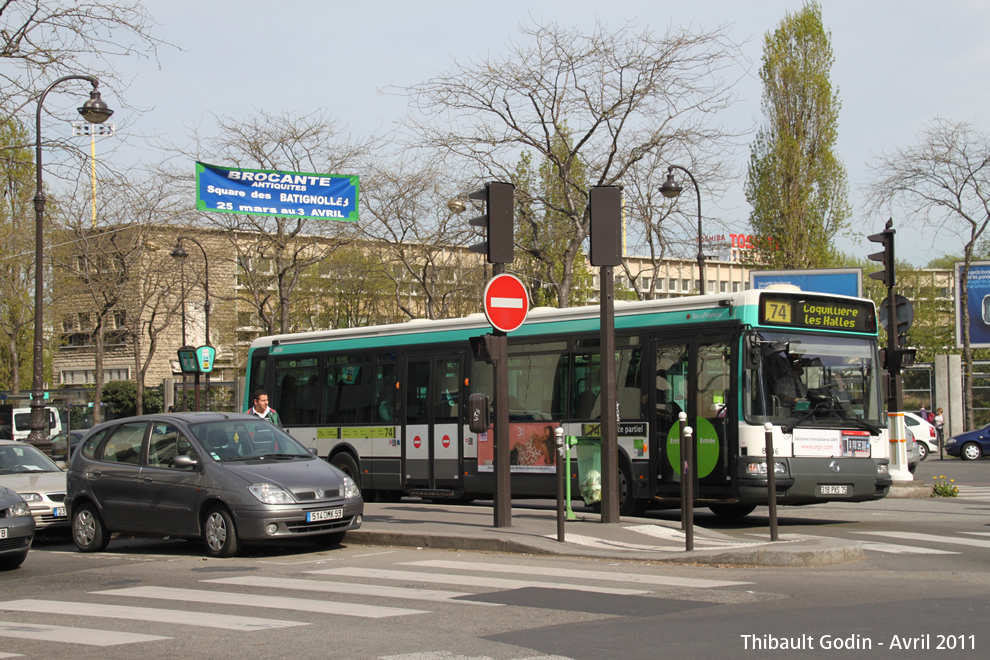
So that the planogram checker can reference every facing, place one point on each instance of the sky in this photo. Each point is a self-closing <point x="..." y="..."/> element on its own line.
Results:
<point x="898" y="65"/>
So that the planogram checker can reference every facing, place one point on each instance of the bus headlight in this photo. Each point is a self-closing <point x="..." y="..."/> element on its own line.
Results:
<point x="761" y="468"/>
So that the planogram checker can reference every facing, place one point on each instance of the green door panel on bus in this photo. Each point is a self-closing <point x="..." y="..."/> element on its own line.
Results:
<point x="706" y="443"/>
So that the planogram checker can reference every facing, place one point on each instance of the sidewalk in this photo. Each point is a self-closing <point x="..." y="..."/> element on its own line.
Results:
<point x="533" y="530"/>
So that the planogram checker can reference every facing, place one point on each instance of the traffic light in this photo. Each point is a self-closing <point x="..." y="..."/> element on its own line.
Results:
<point x="498" y="221"/>
<point x="886" y="256"/>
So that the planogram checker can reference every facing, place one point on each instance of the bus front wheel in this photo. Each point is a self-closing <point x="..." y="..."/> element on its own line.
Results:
<point x="346" y="464"/>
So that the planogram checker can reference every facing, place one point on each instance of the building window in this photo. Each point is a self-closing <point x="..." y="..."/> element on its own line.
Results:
<point x="672" y="284"/>
<point x="723" y="287"/>
<point x="119" y="319"/>
<point x="735" y="287"/>
<point x="711" y="286"/>
<point x="685" y="285"/>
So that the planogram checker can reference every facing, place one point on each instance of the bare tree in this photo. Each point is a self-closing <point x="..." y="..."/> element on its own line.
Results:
<point x="943" y="181"/>
<point x="41" y="40"/>
<point x="421" y="239"/>
<point x="602" y="100"/>
<point x="273" y="253"/>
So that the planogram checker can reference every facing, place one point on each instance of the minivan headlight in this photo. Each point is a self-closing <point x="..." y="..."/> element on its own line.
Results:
<point x="31" y="497"/>
<point x="19" y="510"/>
<point x="271" y="494"/>
<point x="350" y="488"/>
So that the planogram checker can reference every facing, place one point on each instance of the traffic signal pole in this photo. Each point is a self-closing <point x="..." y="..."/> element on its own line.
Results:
<point x="499" y="248"/>
<point x="896" y="428"/>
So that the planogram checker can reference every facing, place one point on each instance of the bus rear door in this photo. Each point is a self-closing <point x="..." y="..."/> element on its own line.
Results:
<point x="431" y="447"/>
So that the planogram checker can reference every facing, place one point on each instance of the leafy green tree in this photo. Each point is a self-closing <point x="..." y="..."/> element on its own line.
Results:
<point x="17" y="262"/>
<point x="121" y="397"/>
<point x="795" y="183"/>
<point x="543" y="228"/>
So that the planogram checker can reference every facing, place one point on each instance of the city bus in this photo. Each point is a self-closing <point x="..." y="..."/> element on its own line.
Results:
<point x="388" y="404"/>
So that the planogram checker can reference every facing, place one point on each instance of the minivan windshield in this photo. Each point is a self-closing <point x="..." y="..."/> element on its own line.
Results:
<point x="238" y="440"/>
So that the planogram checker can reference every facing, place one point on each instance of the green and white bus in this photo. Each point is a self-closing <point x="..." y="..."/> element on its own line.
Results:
<point x="388" y="404"/>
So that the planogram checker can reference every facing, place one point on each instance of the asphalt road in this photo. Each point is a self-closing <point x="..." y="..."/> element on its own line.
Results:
<point x="925" y="583"/>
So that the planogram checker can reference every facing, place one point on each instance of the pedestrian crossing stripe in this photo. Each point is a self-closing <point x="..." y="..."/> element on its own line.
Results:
<point x="471" y="580"/>
<point x="889" y="548"/>
<point x="48" y="633"/>
<point x="155" y="615"/>
<point x="933" y="538"/>
<point x="351" y="589"/>
<point x="550" y="571"/>
<point x="252" y="600"/>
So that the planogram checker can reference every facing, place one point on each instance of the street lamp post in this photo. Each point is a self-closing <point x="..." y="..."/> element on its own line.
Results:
<point x="671" y="189"/>
<point x="180" y="255"/>
<point x="94" y="111"/>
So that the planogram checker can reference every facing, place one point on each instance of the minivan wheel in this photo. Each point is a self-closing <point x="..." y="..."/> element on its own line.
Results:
<point x="219" y="534"/>
<point x="88" y="531"/>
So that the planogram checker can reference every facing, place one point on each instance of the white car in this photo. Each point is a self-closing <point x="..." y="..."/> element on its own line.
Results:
<point x="25" y="470"/>
<point x="924" y="433"/>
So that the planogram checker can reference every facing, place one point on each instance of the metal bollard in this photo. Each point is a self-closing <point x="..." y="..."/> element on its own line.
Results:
<point x="771" y="480"/>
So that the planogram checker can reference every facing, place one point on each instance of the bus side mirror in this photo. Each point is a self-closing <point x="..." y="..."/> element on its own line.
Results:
<point x="751" y="353"/>
<point x="478" y="420"/>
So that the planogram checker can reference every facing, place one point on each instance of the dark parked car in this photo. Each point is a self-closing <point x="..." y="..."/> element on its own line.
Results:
<point x="59" y="450"/>
<point x="16" y="529"/>
<point x="970" y="445"/>
<point x="224" y="478"/>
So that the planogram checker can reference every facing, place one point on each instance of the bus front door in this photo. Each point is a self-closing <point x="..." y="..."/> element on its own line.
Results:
<point x="694" y="376"/>
<point x="431" y="444"/>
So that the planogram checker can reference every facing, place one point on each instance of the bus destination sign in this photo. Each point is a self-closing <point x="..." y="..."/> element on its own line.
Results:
<point x="812" y="312"/>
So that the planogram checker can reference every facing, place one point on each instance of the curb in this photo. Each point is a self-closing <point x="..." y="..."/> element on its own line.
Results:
<point x="821" y="552"/>
<point x="910" y="489"/>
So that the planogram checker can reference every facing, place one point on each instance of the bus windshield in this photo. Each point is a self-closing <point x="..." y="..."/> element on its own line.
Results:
<point x="813" y="380"/>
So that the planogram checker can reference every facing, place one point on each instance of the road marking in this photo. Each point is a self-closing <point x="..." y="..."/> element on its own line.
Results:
<point x="349" y="588"/>
<point x="981" y="493"/>
<point x="207" y="619"/>
<point x="10" y="655"/>
<point x="549" y="571"/>
<point x="932" y="538"/>
<point x="889" y="548"/>
<point x="251" y="600"/>
<point x="472" y="581"/>
<point x="657" y="531"/>
<point x="46" y="633"/>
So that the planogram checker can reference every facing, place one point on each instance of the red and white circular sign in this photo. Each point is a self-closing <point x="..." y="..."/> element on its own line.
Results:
<point x="446" y="441"/>
<point x="506" y="302"/>
<point x="417" y="442"/>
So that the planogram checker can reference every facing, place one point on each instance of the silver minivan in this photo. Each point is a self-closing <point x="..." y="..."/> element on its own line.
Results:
<point x="224" y="478"/>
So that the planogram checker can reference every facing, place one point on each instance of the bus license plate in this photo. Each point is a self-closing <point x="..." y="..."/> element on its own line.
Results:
<point x="834" y="490"/>
<point x="329" y="514"/>
<point x="3" y="532"/>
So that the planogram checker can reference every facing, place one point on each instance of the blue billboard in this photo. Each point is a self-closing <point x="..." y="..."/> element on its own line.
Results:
<point x="286" y="194"/>
<point x="840" y="281"/>
<point x="977" y="303"/>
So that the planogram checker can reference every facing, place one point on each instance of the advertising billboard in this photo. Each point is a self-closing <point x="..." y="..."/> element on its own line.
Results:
<point x="977" y="303"/>
<point x="841" y="281"/>
<point x="282" y="194"/>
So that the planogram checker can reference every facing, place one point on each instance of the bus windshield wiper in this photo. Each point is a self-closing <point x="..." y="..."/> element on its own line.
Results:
<point x="789" y="428"/>
<point x="861" y="423"/>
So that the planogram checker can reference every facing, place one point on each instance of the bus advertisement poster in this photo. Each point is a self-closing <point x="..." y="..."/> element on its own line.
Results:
<point x="532" y="449"/>
<point x="280" y="194"/>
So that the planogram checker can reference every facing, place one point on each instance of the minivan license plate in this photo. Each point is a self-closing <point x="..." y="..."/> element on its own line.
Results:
<point x="3" y="532"/>
<point x="329" y="514"/>
<point x="835" y="490"/>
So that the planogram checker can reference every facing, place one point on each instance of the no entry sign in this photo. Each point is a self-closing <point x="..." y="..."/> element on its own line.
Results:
<point x="506" y="302"/>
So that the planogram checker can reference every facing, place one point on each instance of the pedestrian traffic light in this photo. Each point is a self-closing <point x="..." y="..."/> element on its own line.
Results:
<point x="498" y="222"/>
<point x="886" y="256"/>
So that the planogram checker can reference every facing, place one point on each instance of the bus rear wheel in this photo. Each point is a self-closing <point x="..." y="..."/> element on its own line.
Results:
<point x="732" y="511"/>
